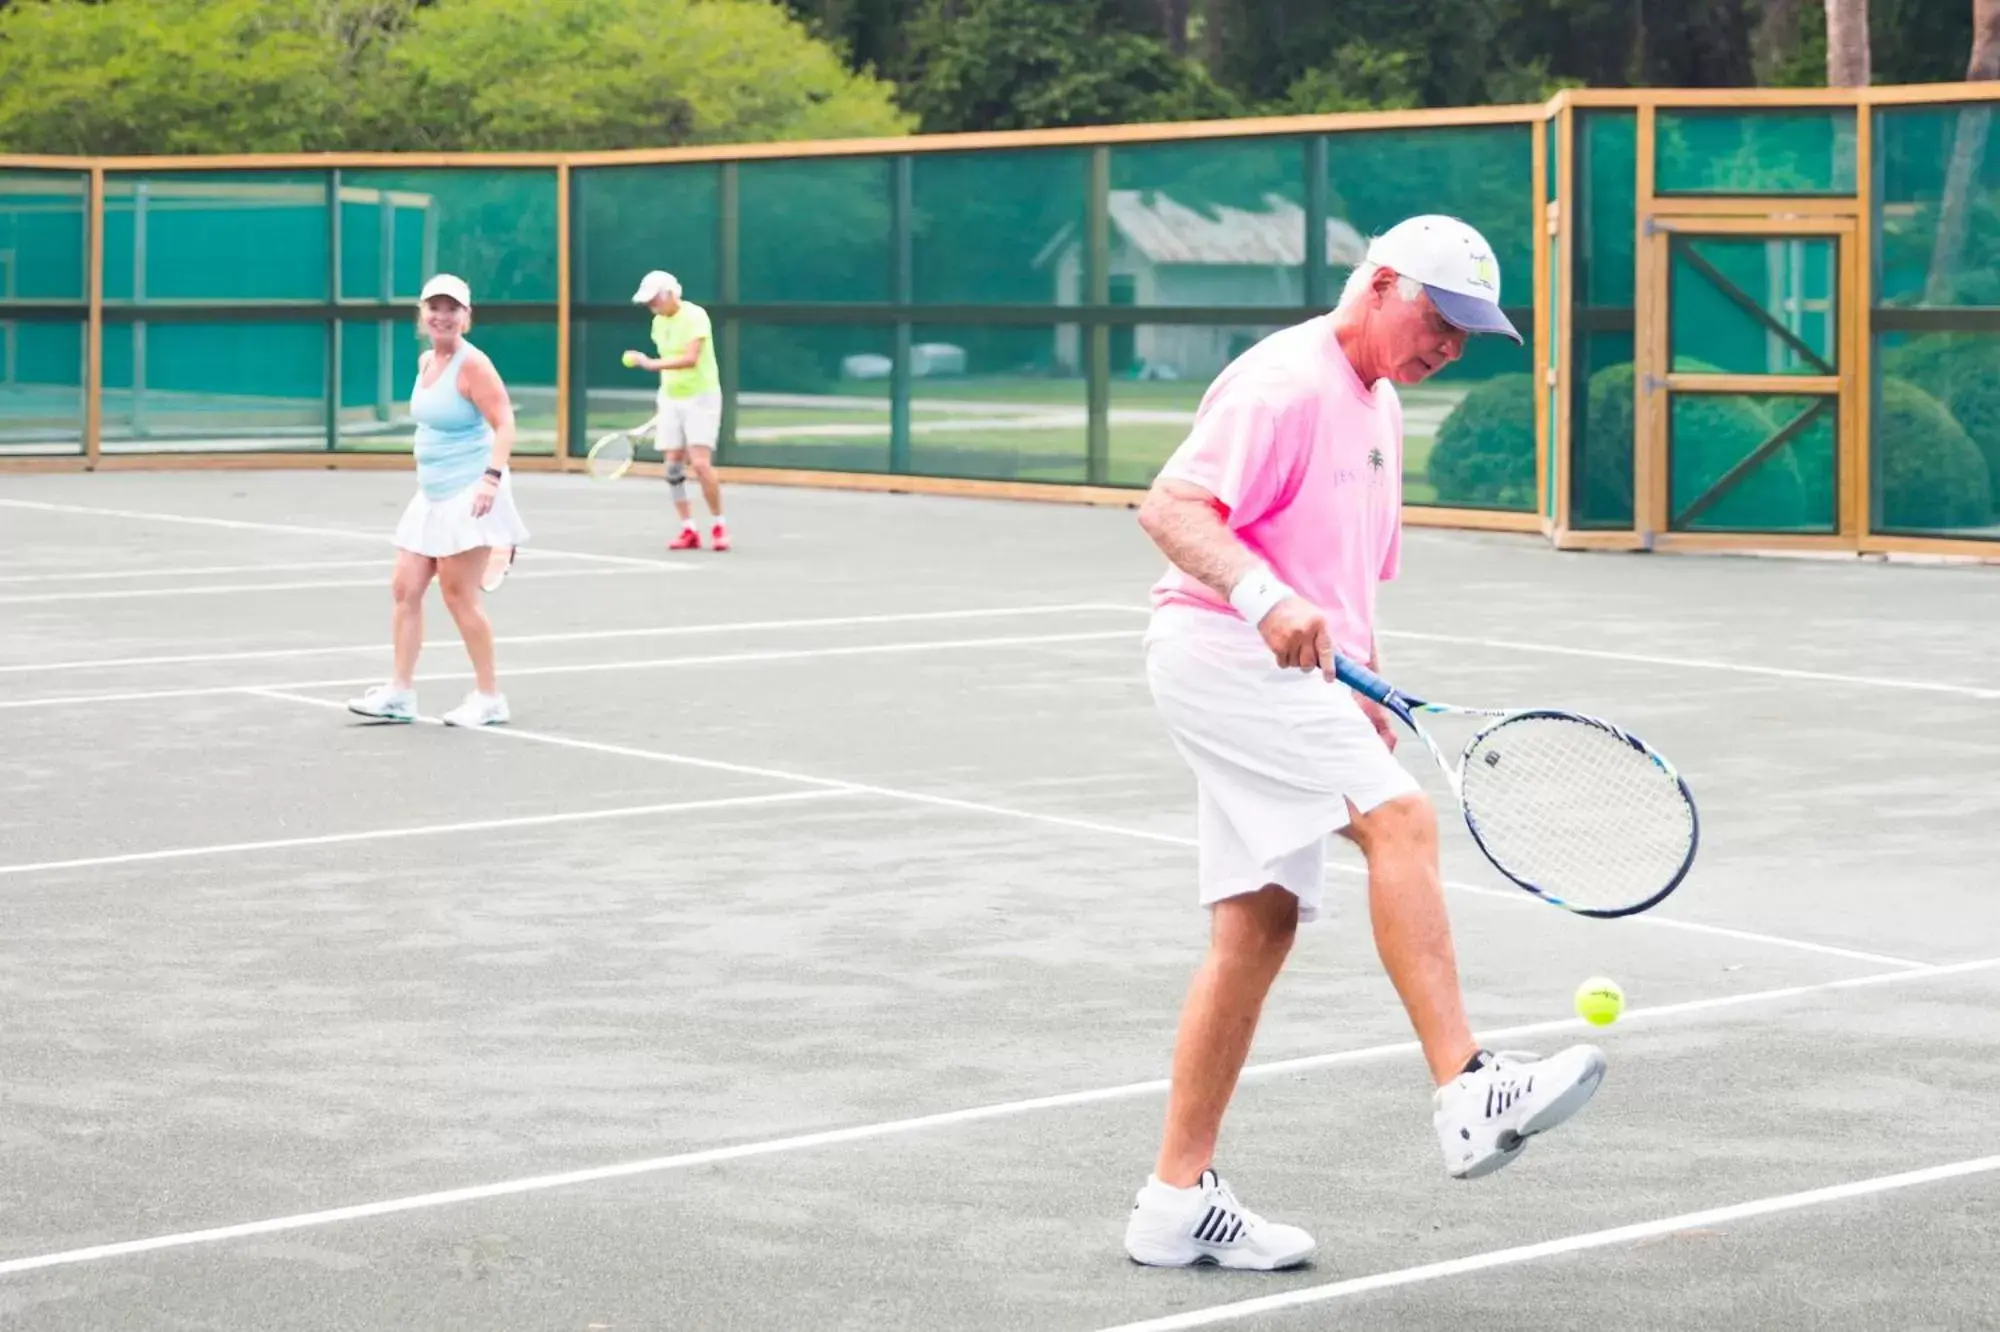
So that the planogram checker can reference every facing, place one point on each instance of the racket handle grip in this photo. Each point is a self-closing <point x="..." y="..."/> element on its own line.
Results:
<point x="1362" y="680"/>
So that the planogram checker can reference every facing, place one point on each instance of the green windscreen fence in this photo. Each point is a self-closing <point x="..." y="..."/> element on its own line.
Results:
<point x="948" y="313"/>
<point x="1600" y="308"/>
<point x="1051" y="313"/>
<point x="1791" y="152"/>
<point x="1748" y="462"/>
<point x="43" y="310"/>
<point x="1934" y="450"/>
<point x="1042" y="314"/>
<point x="999" y="228"/>
<point x="1469" y="431"/>
<point x="1753" y="306"/>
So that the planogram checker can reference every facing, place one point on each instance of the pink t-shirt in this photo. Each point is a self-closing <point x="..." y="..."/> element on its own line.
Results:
<point x="1308" y="461"/>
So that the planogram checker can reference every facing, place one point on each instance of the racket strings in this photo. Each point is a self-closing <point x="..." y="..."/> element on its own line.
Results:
<point x="610" y="456"/>
<point x="1576" y="811"/>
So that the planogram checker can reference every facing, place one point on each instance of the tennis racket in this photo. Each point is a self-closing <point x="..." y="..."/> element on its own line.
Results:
<point x="1584" y="815"/>
<point x="499" y="561"/>
<point x="610" y="457"/>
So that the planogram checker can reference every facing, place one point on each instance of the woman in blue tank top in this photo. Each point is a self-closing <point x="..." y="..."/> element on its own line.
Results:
<point x="462" y="517"/>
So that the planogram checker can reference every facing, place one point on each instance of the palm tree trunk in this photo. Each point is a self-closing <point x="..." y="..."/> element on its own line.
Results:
<point x="1968" y="150"/>
<point x="1847" y="63"/>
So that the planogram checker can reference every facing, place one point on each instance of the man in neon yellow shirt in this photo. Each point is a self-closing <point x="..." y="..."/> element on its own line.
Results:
<point x="689" y="403"/>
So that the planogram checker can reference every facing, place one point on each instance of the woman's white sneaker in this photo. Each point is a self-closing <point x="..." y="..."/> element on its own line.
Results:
<point x="1172" y="1227"/>
<point x="1485" y="1116"/>
<point x="478" y="710"/>
<point x="385" y="702"/>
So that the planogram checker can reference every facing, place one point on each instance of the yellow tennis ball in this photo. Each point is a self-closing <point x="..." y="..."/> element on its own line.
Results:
<point x="630" y="358"/>
<point x="1599" y="1001"/>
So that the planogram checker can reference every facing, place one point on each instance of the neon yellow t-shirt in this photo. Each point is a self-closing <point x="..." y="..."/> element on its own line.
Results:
<point x="671" y="336"/>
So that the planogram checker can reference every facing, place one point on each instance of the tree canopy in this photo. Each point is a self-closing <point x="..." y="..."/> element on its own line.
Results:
<point x="205" y="76"/>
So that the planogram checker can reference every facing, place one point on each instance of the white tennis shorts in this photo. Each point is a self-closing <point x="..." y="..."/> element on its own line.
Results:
<point x="686" y="422"/>
<point x="1277" y="754"/>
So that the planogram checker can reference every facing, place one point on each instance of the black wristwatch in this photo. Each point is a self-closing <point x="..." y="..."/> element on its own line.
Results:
<point x="496" y="474"/>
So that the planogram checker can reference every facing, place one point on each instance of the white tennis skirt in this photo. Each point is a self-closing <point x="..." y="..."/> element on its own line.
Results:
<point x="1277" y="754"/>
<point x="438" y="528"/>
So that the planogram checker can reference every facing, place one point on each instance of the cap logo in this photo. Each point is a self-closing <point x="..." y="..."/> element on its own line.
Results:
<point x="1485" y="273"/>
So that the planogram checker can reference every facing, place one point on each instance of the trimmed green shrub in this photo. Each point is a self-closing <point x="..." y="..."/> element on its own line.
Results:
<point x="1962" y="372"/>
<point x="1484" y="453"/>
<point x="1929" y="476"/>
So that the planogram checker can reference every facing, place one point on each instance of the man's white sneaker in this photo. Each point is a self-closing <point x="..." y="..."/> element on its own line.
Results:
<point x="1485" y="1116"/>
<point x="1172" y="1227"/>
<point x="386" y="703"/>
<point x="478" y="710"/>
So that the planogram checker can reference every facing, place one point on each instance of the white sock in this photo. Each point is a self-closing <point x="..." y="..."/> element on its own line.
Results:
<point x="688" y="525"/>
<point x="719" y="521"/>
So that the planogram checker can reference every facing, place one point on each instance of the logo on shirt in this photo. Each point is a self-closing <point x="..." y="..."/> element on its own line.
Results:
<point x="1375" y="460"/>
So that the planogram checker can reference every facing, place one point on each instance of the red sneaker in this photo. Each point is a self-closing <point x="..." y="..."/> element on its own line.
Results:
<point x="719" y="537"/>
<point x="689" y="539"/>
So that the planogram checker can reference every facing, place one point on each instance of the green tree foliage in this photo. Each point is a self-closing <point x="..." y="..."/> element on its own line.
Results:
<point x="140" y="76"/>
<point x="205" y="76"/>
<point x="1026" y="64"/>
<point x="185" y="76"/>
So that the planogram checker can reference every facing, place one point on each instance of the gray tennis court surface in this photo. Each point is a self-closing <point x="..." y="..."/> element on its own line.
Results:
<point x="807" y="953"/>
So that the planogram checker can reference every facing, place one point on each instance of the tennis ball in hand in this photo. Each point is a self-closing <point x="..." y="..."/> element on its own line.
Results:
<point x="1599" y="1001"/>
<point x="631" y="358"/>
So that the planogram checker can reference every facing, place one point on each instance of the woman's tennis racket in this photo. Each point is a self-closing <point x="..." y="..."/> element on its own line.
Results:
<point x="499" y="560"/>
<point x="1578" y="812"/>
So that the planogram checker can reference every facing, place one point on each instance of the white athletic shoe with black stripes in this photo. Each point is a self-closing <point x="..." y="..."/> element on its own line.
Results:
<point x="1484" y="1117"/>
<point x="1172" y="1227"/>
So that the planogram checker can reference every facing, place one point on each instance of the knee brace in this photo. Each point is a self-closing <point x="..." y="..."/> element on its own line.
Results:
<point x="677" y="481"/>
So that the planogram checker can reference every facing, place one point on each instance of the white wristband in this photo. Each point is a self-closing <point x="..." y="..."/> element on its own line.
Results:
<point x="1256" y="592"/>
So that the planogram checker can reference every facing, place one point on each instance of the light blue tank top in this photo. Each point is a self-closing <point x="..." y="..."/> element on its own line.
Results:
<point x="453" y="439"/>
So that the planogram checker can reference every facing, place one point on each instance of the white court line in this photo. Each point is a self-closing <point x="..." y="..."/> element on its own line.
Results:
<point x="1910" y="684"/>
<point x="582" y="668"/>
<point x="1117" y="830"/>
<point x="426" y="830"/>
<point x="295" y="529"/>
<point x="583" y="636"/>
<point x="1515" y="895"/>
<point x="864" y="1132"/>
<point x="380" y="583"/>
<point x="1528" y="1253"/>
<point x="144" y="571"/>
<point x="1904" y="685"/>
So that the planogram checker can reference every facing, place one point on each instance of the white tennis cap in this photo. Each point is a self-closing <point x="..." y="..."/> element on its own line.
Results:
<point x="655" y="285"/>
<point x="1456" y="266"/>
<point x="444" y="284"/>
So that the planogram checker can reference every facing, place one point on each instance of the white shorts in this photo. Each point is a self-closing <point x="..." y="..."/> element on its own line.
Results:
<point x="1277" y="754"/>
<point x="438" y="528"/>
<point x="687" y="422"/>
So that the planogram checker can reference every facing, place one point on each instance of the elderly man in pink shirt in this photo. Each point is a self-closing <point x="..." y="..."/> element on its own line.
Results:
<point x="1280" y="514"/>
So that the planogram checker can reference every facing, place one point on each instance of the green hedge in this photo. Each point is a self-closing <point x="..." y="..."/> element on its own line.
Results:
<point x="1484" y="454"/>
<point x="1963" y="374"/>
<point x="1928" y="473"/>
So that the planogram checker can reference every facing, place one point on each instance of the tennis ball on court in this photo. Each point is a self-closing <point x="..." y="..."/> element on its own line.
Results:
<point x="1599" y="1001"/>
<point x="630" y="358"/>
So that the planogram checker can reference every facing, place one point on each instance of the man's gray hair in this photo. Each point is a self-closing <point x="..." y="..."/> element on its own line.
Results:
<point x="1407" y="287"/>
